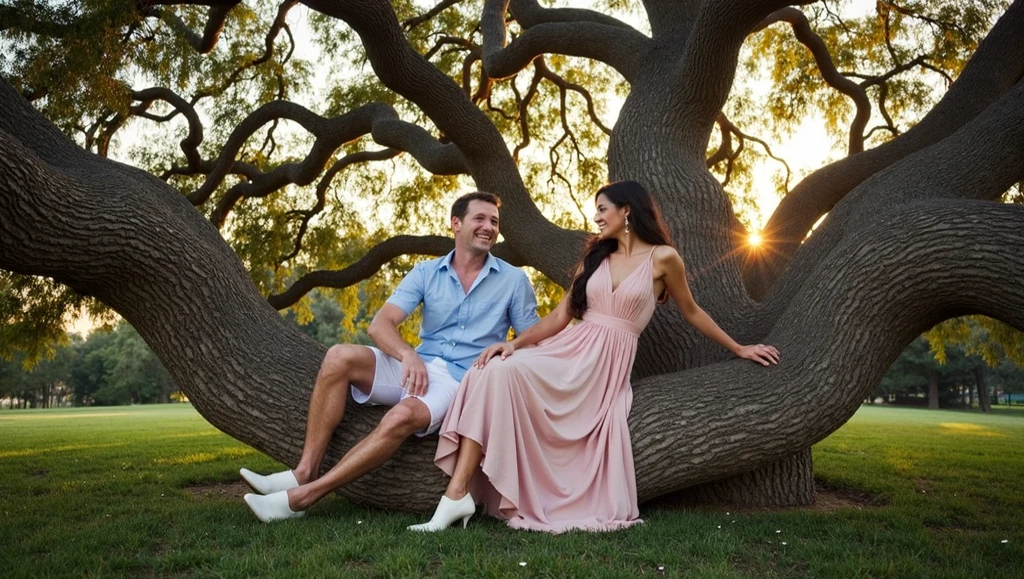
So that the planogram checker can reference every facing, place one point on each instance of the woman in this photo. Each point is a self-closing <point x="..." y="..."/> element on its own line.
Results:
<point x="539" y="434"/>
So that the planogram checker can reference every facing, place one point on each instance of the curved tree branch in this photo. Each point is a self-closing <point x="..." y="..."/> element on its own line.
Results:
<point x="564" y="85"/>
<point x="713" y="47"/>
<point x="925" y="263"/>
<point x="371" y="262"/>
<point x="141" y="5"/>
<point x="524" y="112"/>
<point x="411" y="23"/>
<point x="377" y="119"/>
<point x="802" y="30"/>
<point x="563" y="31"/>
<point x="190" y="144"/>
<point x="728" y="128"/>
<point x="276" y="27"/>
<point x="216" y="18"/>
<point x="367" y="265"/>
<point x="336" y="131"/>
<point x="434" y="156"/>
<point x="530" y="13"/>
<point x="724" y="150"/>
<point x="981" y="160"/>
<point x="995" y="67"/>
<point x="321" y="191"/>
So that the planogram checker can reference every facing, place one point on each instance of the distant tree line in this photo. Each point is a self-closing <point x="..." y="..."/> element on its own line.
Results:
<point x="968" y="362"/>
<point x="959" y="364"/>
<point x="106" y="368"/>
<point x="116" y="367"/>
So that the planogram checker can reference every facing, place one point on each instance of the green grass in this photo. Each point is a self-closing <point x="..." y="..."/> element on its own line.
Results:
<point x="104" y="492"/>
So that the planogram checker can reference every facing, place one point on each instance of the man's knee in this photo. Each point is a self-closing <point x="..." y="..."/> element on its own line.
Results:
<point x="406" y="418"/>
<point x="345" y="361"/>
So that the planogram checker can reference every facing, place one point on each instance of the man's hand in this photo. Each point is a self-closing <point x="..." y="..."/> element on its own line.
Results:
<point x="415" y="378"/>
<point x="504" y="349"/>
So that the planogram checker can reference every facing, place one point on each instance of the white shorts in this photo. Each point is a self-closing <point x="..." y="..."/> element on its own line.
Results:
<point x="387" y="388"/>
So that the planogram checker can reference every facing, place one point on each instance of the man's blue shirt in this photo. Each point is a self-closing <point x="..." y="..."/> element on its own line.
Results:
<point x="458" y="325"/>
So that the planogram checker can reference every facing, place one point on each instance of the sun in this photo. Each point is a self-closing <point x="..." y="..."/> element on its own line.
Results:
<point x="754" y="240"/>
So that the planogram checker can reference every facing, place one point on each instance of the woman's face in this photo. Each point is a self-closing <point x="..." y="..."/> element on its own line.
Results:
<point x="610" y="220"/>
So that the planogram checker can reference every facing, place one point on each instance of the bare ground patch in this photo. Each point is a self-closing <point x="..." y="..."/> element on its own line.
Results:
<point x="218" y="490"/>
<point x="829" y="498"/>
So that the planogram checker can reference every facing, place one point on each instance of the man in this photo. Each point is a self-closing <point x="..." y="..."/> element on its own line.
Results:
<point x="470" y="299"/>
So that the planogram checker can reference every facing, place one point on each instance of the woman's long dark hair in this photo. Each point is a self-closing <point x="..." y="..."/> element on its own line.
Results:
<point x="644" y="221"/>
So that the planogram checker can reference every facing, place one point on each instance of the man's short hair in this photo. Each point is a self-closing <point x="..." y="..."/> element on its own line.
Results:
<point x="461" y="205"/>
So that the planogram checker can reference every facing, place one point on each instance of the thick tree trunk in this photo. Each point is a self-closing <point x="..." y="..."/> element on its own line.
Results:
<point x="646" y="146"/>
<point x="785" y="483"/>
<point x="933" y="389"/>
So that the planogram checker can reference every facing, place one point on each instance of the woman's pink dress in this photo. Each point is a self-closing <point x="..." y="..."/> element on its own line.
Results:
<point x="552" y="418"/>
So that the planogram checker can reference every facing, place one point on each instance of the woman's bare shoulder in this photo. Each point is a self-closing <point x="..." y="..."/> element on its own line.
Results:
<point x="664" y="254"/>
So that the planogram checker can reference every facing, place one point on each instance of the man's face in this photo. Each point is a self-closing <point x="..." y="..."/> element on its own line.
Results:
<point x="477" y="232"/>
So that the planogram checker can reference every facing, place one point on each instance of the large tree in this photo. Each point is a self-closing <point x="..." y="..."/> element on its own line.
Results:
<point x="915" y="231"/>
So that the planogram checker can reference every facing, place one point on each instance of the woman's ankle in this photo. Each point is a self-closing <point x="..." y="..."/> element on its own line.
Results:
<point x="456" y="494"/>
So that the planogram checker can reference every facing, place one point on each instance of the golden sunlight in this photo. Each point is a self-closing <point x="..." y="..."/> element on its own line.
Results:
<point x="754" y="240"/>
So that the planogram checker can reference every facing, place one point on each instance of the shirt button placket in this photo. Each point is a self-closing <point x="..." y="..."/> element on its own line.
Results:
<point x="463" y="308"/>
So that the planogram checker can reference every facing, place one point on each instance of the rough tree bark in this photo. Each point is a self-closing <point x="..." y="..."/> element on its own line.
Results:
<point x="907" y="244"/>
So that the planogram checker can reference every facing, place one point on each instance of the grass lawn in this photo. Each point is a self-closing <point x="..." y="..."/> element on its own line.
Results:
<point x="112" y="492"/>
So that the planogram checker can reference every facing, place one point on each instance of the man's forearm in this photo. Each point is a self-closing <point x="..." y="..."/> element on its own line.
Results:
<point x="387" y="338"/>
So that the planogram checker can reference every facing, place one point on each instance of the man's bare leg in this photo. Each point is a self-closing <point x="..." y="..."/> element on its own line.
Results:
<point x="407" y="417"/>
<point x="343" y="365"/>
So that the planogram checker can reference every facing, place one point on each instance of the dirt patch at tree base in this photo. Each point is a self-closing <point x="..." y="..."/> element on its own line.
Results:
<point x="219" y="490"/>
<point x="828" y="499"/>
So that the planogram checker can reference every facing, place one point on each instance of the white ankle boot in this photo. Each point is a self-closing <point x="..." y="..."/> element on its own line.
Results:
<point x="271" y="483"/>
<point x="272" y="507"/>
<point x="448" y="511"/>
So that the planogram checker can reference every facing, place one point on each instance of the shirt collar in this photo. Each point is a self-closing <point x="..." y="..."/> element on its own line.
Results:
<point x="492" y="262"/>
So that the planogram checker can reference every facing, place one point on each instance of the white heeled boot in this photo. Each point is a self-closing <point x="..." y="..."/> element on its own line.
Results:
<point x="271" y="483"/>
<point x="447" y="512"/>
<point x="272" y="507"/>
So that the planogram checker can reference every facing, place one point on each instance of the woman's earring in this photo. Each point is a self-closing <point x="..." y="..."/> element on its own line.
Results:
<point x="627" y="225"/>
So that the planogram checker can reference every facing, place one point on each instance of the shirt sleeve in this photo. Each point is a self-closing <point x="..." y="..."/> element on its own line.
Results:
<point x="523" y="310"/>
<point x="410" y="290"/>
